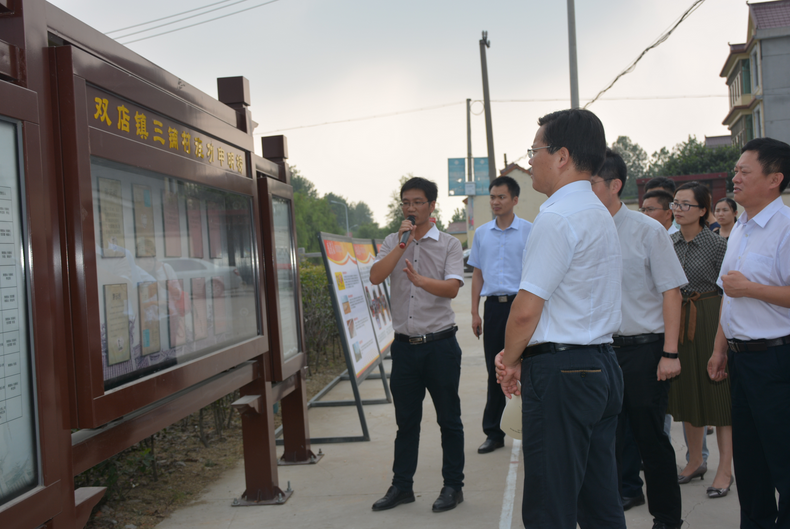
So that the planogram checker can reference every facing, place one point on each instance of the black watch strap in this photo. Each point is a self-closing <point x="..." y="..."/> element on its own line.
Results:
<point x="669" y="355"/>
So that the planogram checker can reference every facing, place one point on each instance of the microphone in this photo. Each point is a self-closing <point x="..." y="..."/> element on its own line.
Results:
<point x="405" y="237"/>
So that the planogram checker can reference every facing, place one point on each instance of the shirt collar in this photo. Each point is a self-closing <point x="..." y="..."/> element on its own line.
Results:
<point x="515" y="225"/>
<point x="567" y="189"/>
<point x="762" y="218"/>
<point x="433" y="233"/>
<point x="621" y="214"/>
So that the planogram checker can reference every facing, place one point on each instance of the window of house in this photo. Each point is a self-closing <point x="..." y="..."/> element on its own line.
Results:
<point x="747" y="76"/>
<point x="755" y="67"/>
<point x="758" y="125"/>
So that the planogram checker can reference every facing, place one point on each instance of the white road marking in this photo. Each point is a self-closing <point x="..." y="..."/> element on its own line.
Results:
<point x="506" y="518"/>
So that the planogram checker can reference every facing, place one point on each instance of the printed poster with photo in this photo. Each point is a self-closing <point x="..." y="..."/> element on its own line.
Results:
<point x="375" y="295"/>
<point x="351" y="305"/>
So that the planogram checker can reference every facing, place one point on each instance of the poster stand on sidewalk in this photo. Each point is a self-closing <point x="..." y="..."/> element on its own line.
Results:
<point x="355" y="312"/>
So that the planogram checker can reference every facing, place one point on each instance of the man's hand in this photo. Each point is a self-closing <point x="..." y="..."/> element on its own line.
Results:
<point x="716" y="365"/>
<point x="413" y="276"/>
<point x="736" y="285"/>
<point x="668" y="368"/>
<point x="477" y="325"/>
<point x="508" y="376"/>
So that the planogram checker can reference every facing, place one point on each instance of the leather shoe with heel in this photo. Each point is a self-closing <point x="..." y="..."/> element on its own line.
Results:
<point x="713" y="492"/>
<point x="634" y="501"/>
<point x="448" y="499"/>
<point x="393" y="498"/>
<point x="489" y="446"/>
<point x="699" y="472"/>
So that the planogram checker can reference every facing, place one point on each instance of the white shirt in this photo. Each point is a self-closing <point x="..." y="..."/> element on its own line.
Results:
<point x="572" y="260"/>
<point x="498" y="254"/>
<point x="650" y="268"/>
<point x="759" y="248"/>
<point x="672" y="229"/>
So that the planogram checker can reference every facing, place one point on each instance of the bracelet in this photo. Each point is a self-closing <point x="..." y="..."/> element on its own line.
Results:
<point x="669" y="355"/>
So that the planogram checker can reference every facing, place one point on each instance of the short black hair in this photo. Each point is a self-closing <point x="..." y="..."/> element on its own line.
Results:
<point x="774" y="157"/>
<point x="661" y="181"/>
<point x="512" y="185"/>
<point x="581" y="132"/>
<point x="660" y="195"/>
<point x="613" y="168"/>
<point x="701" y="195"/>
<point x="418" y="182"/>
<point x="730" y="202"/>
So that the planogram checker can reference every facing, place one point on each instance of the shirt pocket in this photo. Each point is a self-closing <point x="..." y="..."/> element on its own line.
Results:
<point x="757" y="268"/>
<point x="634" y="274"/>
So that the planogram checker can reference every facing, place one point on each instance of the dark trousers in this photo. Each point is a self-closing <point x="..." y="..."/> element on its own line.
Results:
<point x="570" y="402"/>
<point x="645" y="404"/>
<point x="435" y="366"/>
<point x="760" y="388"/>
<point x="494" y="322"/>
<point x="629" y="461"/>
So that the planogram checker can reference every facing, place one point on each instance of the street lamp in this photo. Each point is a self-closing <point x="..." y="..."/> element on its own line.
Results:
<point x="348" y="232"/>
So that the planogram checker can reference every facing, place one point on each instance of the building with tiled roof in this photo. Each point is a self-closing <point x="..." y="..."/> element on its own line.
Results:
<point x="758" y="76"/>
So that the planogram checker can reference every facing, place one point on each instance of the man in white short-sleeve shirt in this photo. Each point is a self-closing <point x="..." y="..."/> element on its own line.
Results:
<point x="646" y="343"/>
<point x="755" y="330"/>
<point x="561" y="325"/>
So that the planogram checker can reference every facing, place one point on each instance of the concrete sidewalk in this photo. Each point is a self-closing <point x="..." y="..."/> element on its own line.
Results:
<point x="339" y="490"/>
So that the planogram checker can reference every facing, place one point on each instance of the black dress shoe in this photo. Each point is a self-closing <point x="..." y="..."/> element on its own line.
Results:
<point x="633" y="502"/>
<point x="448" y="499"/>
<point x="489" y="446"/>
<point x="662" y="525"/>
<point x="393" y="498"/>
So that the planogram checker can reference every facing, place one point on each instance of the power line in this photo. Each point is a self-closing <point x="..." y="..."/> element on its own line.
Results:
<point x="365" y="118"/>
<point x="180" y="20"/>
<point x="199" y="23"/>
<point x="655" y="43"/>
<point x="165" y="18"/>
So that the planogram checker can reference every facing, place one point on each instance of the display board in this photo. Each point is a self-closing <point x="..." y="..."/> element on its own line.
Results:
<point x="375" y="295"/>
<point x="18" y="438"/>
<point x="174" y="263"/>
<point x="351" y="306"/>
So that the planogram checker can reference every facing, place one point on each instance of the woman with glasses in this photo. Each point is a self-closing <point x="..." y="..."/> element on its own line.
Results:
<point x="726" y="213"/>
<point x="693" y="397"/>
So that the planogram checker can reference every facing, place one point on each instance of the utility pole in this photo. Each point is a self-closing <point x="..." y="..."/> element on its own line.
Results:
<point x="348" y="231"/>
<point x="487" y="104"/>
<point x="468" y="140"/>
<point x="572" y="53"/>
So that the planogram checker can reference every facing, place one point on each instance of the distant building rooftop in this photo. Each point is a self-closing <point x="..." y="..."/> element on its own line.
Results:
<point x="771" y="14"/>
<point x="711" y="142"/>
<point x="457" y="227"/>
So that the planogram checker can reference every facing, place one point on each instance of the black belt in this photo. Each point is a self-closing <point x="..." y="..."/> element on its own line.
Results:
<point x="639" y="339"/>
<point x="753" y="346"/>
<point x="551" y="347"/>
<point x="425" y="338"/>
<point x="501" y="299"/>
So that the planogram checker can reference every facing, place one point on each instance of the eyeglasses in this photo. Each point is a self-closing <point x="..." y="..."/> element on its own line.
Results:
<point x="601" y="180"/>
<point x="651" y="210"/>
<point x="683" y="207"/>
<point x="416" y="204"/>
<point x="531" y="151"/>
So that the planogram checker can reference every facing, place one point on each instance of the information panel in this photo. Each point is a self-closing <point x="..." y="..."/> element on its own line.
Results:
<point x="174" y="267"/>
<point x="375" y="296"/>
<point x="351" y="307"/>
<point x="18" y="439"/>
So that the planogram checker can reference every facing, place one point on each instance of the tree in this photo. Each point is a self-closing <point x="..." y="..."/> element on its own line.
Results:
<point x="635" y="159"/>
<point x="459" y="215"/>
<point x="302" y="184"/>
<point x="693" y="157"/>
<point x="313" y="216"/>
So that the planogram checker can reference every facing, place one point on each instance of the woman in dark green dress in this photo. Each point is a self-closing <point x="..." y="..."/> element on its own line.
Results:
<point x="693" y="397"/>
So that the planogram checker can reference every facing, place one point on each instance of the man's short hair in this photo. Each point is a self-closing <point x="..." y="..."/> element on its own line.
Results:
<point x="581" y="132"/>
<point x="661" y="196"/>
<point x="663" y="182"/>
<point x="774" y="157"/>
<point x="613" y="168"/>
<point x="418" y="182"/>
<point x="512" y="186"/>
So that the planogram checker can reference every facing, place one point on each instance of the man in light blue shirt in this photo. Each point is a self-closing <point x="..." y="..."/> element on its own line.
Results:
<point x="561" y="325"/>
<point x="497" y="251"/>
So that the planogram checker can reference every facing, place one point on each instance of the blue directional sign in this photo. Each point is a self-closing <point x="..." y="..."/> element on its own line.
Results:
<point x="457" y="175"/>
<point x="481" y="176"/>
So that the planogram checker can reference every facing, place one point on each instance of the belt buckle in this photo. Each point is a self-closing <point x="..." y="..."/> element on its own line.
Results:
<point x="502" y="299"/>
<point x="415" y="340"/>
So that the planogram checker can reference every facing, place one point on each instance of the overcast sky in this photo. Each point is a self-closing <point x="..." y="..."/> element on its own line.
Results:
<point x="316" y="61"/>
